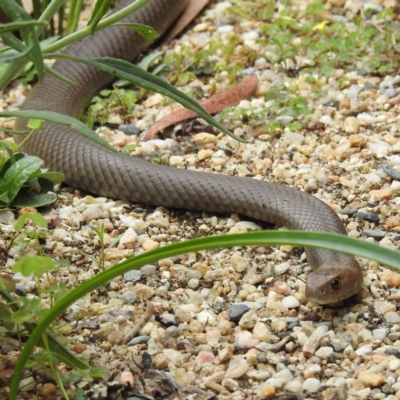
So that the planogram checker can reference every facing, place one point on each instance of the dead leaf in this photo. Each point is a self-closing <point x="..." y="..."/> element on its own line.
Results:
<point x="225" y="98"/>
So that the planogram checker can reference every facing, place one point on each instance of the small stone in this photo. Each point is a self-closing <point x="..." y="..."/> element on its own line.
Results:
<point x="150" y="245"/>
<point x="357" y="140"/>
<point x="130" y="237"/>
<point x="204" y="138"/>
<point x="27" y="384"/>
<point x="236" y="311"/>
<point x="239" y="263"/>
<point x="115" y="337"/>
<point x="60" y="234"/>
<point x="369" y="119"/>
<point x="366" y="216"/>
<point x="324" y="352"/>
<point x="390" y="277"/>
<point x="290" y="302"/>
<point x="93" y="211"/>
<point x="311" y="385"/>
<point x="370" y="379"/>
<point x="262" y="332"/>
<point x="393" y="221"/>
<point x="392" y="172"/>
<point x="392" y="317"/>
<point x="148" y="269"/>
<point x="237" y="370"/>
<point x="6" y="216"/>
<point x="364" y="350"/>
<point x="374" y="234"/>
<point x="246" y="339"/>
<point x="280" y="269"/>
<point x="266" y="391"/>
<point x="49" y="391"/>
<point x="382" y="194"/>
<point x="126" y="377"/>
<point x="351" y="125"/>
<point x="132" y="276"/>
<point x="138" y="340"/>
<point x="205" y="357"/>
<point x="204" y="154"/>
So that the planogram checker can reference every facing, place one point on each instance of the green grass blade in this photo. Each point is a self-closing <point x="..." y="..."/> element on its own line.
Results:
<point x="28" y="34"/>
<point x="132" y="73"/>
<point x="263" y="238"/>
<point x="59" y="119"/>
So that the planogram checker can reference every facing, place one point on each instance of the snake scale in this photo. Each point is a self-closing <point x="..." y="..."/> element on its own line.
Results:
<point x="93" y="168"/>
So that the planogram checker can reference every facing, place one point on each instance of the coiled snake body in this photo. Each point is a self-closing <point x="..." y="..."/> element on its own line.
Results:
<point x="93" y="168"/>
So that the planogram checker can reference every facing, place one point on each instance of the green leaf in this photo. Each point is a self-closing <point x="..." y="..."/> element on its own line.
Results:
<point x="37" y="265"/>
<point x="132" y="73"/>
<point x="13" y="55"/>
<point x="28" y="34"/>
<point x="35" y="217"/>
<point x="19" y="173"/>
<point x="35" y="124"/>
<point x="54" y="177"/>
<point x="147" y="61"/>
<point x="147" y="32"/>
<point x="100" y="9"/>
<point x="34" y="200"/>
<point x="61" y="119"/>
<point x="17" y="25"/>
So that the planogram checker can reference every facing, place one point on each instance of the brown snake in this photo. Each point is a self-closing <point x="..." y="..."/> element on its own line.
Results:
<point x="91" y="167"/>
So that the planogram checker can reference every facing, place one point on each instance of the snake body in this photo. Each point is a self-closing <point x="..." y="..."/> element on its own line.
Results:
<point x="95" y="169"/>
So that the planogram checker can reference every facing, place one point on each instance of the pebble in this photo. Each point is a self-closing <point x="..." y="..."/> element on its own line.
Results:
<point x="370" y="379"/>
<point x="383" y="194"/>
<point x="351" y="125"/>
<point x="311" y="385"/>
<point x="236" y="311"/>
<point x="290" y="302"/>
<point x="390" y="277"/>
<point x="370" y="217"/>
<point x="374" y="234"/>
<point x="393" y="173"/>
<point x="392" y="317"/>
<point x="133" y="275"/>
<point x="150" y="245"/>
<point x="280" y="269"/>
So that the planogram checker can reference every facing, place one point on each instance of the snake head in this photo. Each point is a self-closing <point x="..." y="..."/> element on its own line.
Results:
<point x="330" y="284"/>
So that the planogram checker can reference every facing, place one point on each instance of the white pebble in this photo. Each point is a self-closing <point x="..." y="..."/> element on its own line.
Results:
<point x="129" y="237"/>
<point x="366" y="118"/>
<point x="290" y="302"/>
<point x="324" y="352"/>
<point x="280" y="269"/>
<point x="311" y="385"/>
<point x="205" y="317"/>
<point x="392" y="317"/>
<point x="364" y="350"/>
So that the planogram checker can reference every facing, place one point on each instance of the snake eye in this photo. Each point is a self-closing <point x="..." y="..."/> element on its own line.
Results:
<point x="335" y="284"/>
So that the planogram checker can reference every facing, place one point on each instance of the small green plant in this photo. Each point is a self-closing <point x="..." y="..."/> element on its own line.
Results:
<point x="19" y="316"/>
<point x="122" y="99"/>
<point x="22" y="181"/>
<point x="103" y="249"/>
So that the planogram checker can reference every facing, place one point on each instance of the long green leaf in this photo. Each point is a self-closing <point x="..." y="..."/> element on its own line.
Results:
<point x="14" y="26"/>
<point x="59" y="119"/>
<point x="132" y="73"/>
<point x="18" y="13"/>
<point x="324" y="240"/>
<point x="100" y="9"/>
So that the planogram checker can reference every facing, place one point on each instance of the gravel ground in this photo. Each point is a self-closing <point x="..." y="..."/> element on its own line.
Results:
<point x="234" y="323"/>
